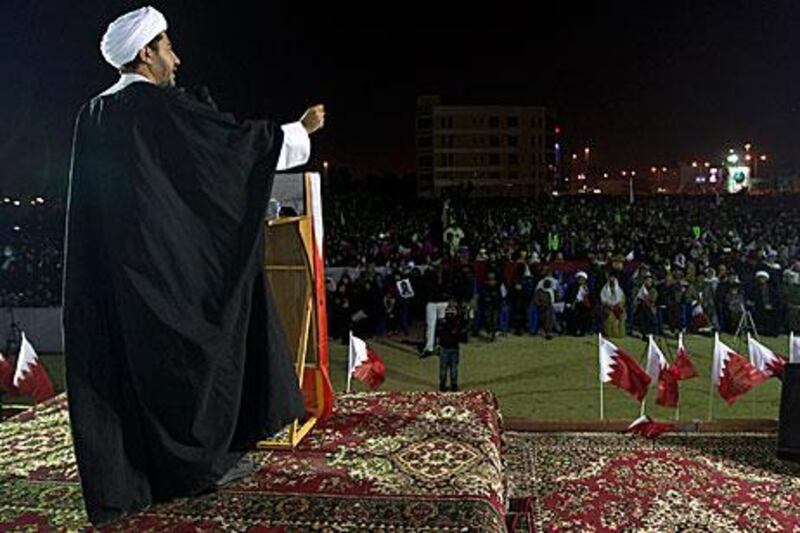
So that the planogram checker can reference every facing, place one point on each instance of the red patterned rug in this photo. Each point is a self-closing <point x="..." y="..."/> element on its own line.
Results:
<point x="400" y="461"/>
<point x="611" y="482"/>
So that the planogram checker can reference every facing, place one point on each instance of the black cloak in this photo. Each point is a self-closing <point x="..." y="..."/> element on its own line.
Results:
<point x="175" y="358"/>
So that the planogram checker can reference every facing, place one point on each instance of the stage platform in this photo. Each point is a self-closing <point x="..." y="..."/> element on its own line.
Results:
<point x="434" y="462"/>
<point x="382" y="461"/>
<point x="571" y="481"/>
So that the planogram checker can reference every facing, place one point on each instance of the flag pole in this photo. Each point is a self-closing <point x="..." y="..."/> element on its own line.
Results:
<point x="349" y="360"/>
<point x="710" y="399"/>
<point x="599" y="374"/>
<point x="711" y="381"/>
<point x="647" y="362"/>
<point x="752" y="362"/>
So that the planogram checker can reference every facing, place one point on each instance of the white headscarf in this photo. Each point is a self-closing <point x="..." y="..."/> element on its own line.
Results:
<point x="130" y="33"/>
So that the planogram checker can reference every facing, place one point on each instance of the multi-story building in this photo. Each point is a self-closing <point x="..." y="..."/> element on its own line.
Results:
<point x="491" y="150"/>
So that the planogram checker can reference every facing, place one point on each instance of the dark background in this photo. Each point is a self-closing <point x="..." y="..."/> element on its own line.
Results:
<point x="640" y="82"/>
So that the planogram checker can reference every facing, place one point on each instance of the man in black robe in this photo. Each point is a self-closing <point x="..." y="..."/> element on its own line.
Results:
<point x="175" y="358"/>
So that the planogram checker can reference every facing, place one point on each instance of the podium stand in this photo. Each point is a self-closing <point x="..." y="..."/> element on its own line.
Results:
<point x="294" y="266"/>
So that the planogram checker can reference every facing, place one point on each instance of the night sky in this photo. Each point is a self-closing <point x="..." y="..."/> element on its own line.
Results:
<point x="639" y="82"/>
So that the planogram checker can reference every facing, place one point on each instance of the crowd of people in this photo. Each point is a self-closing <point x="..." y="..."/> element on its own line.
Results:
<point x="31" y="252"/>
<point x="556" y="266"/>
<point x="570" y="265"/>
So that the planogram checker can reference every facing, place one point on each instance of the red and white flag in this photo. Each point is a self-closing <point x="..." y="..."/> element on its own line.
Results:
<point x="649" y="428"/>
<point x="763" y="359"/>
<point x="794" y="348"/>
<point x="364" y="364"/>
<point x="7" y="376"/>
<point x="31" y="378"/>
<point x="732" y="373"/>
<point x="662" y="375"/>
<point x="656" y="362"/>
<point x="684" y="369"/>
<point x="619" y="368"/>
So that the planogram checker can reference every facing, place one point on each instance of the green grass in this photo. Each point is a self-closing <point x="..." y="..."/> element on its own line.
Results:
<point x="550" y="380"/>
<point x="558" y="379"/>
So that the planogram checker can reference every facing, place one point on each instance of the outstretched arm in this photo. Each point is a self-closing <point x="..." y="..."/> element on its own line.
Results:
<point x="296" y="148"/>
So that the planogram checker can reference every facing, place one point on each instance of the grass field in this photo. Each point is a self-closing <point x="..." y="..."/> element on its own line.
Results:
<point x="558" y="379"/>
<point x="550" y="380"/>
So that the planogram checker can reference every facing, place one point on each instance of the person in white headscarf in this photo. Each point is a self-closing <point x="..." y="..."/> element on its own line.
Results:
<point x="765" y="306"/>
<point x="612" y="298"/>
<point x="578" y="303"/>
<point x="176" y="360"/>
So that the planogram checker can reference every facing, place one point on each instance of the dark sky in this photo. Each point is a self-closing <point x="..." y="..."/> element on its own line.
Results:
<point x="640" y="82"/>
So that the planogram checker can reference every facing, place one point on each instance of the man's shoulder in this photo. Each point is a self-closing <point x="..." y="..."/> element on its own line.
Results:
<point x="135" y="94"/>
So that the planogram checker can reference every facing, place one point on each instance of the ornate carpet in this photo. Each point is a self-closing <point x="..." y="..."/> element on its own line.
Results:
<point x="396" y="461"/>
<point x="611" y="482"/>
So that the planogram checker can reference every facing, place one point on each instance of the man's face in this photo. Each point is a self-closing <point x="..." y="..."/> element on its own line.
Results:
<point x="163" y="62"/>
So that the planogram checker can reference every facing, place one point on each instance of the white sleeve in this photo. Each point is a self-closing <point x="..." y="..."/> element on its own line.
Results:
<point x="296" y="147"/>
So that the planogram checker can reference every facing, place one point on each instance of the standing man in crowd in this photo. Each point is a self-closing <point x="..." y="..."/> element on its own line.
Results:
<point x="579" y="306"/>
<point x="451" y="331"/>
<point x="646" y="308"/>
<point x="613" y="301"/>
<point x="176" y="361"/>
<point x="490" y="300"/>
<point x="766" y="306"/>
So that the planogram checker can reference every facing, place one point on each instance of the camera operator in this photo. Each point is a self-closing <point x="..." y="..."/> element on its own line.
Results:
<point x="451" y="332"/>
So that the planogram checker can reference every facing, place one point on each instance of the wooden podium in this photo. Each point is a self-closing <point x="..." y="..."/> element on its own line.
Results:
<point x="294" y="266"/>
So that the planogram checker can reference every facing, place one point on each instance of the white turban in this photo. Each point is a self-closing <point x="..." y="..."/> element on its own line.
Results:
<point x="762" y="274"/>
<point x="581" y="274"/>
<point x="130" y="33"/>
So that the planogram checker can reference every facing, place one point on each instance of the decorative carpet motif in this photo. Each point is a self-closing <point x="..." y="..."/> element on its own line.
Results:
<point x="401" y="461"/>
<point x="610" y="482"/>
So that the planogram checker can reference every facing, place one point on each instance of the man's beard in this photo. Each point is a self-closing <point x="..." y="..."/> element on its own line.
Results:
<point x="167" y="82"/>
